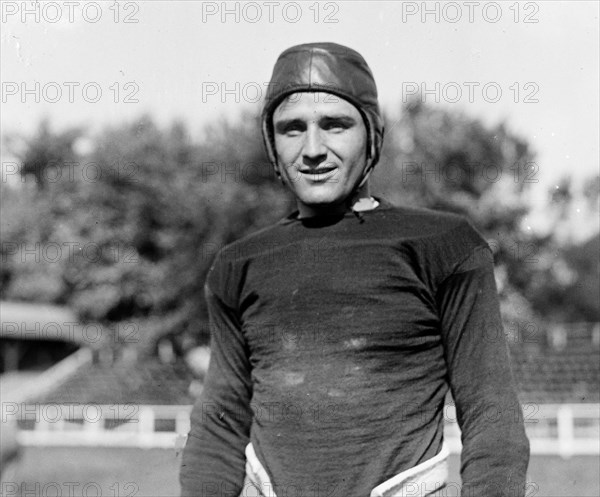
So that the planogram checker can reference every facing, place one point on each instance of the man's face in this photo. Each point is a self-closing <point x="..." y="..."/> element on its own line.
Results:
<point x="321" y="147"/>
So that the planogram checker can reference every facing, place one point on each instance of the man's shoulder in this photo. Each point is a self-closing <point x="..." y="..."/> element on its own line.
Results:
<point x="229" y="261"/>
<point x="440" y="241"/>
<point x="423" y="223"/>
<point x="252" y="243"/>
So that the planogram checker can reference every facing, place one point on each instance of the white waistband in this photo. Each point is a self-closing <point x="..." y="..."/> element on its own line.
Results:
<point x="256" y="475"/>
<point x="419" y="481"/>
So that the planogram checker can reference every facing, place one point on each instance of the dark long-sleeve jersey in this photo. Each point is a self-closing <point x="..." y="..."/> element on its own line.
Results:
<point x="334" y="343"/>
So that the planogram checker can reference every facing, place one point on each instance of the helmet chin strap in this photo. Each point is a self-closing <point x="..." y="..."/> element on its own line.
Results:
<point x="363" y="179"/>
<point x="351" y="201"/>
<point x="365" y="176"/>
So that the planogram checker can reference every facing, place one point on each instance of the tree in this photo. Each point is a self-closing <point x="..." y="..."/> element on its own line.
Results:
<point x="140" y="217"/>
<point x="45" y="154"/>
<point x="144" y="212"/>
<point x="449" y="161"/>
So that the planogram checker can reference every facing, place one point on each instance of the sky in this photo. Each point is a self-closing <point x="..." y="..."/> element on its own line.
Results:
<point x="533" y="65"/>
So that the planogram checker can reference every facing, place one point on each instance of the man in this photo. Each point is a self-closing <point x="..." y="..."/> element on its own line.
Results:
<point x="337" y="332"/>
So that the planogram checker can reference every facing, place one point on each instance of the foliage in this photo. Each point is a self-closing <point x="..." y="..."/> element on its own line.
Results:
<point x="139" y="217"/>
<point x="449" y="161"/>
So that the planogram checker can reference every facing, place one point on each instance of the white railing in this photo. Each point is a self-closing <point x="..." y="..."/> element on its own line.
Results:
<point x="553" y="429"/>
<point x="92" y="425"/>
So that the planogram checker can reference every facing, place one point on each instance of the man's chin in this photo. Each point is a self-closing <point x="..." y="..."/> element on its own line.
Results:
<point x="320" y="202"/>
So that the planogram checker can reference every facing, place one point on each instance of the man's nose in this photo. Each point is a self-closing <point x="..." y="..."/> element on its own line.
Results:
<point x="314" y="150"/>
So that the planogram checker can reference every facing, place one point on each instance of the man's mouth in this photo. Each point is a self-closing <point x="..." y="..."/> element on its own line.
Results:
<point x="318" y="170"/>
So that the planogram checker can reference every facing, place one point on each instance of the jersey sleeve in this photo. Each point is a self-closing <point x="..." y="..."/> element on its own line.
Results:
<point x="495" y="451"/>
<point x="213" y="461"/>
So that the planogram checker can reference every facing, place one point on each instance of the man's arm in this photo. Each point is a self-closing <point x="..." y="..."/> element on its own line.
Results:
<point x="214" y="459"/>
<point x="495" y="450"/>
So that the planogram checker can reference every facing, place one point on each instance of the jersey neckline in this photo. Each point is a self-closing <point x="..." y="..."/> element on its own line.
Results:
<point x="330" y="219"/>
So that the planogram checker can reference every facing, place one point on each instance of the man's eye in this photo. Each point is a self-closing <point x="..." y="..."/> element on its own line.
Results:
<point x="293" y="130"/>
<point x="335" y="126"/>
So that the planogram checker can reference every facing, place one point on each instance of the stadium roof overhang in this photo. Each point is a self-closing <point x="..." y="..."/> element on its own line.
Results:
<point x="32" y="321"/>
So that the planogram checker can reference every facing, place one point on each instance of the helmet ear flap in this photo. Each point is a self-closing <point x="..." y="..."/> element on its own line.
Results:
<point x="376" y="142"/>
<point x="268" y="142"/>
<point x="375" y="139"/>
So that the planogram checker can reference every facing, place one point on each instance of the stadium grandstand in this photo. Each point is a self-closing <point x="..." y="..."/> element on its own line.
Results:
<point x="62" y="392"/>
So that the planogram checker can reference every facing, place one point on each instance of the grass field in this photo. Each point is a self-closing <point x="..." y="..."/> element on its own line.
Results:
<point x="90" y="472"/>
